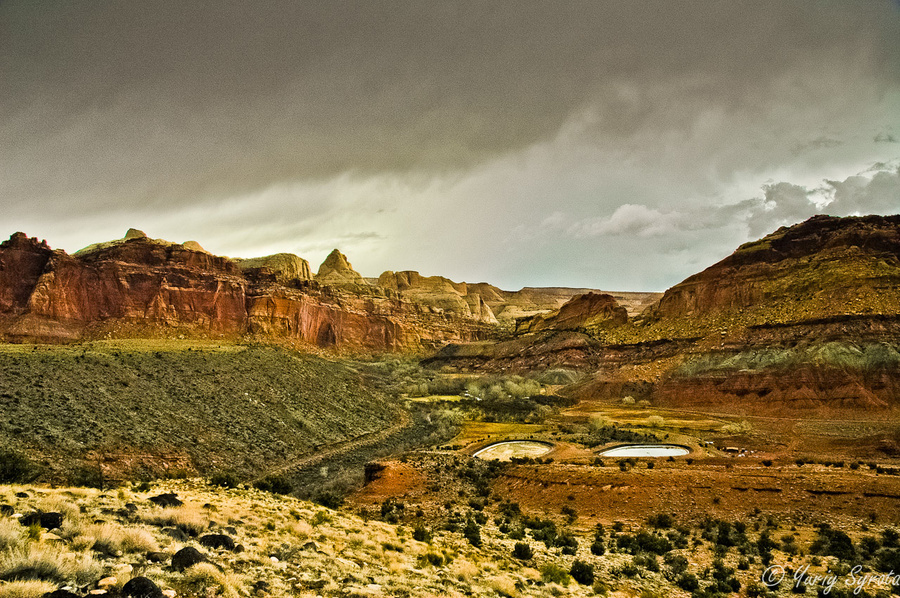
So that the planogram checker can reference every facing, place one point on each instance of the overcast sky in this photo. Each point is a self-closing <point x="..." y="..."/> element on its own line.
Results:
<point x="622" y="145"/>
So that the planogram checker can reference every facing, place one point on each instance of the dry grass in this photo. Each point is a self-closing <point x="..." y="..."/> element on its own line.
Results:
<point x="110" y="538"/>
<point x="59" y="504"/>
<point x="464" y="570"/>
<point x="47" y="563"/>
<point x="26" y="589"/>
<point x="205" y="579"/>
<point x="504" y="586"/>
<point x="188" y="518"/>
<point x="742" y="427"/>
<point x="11" y="534"/>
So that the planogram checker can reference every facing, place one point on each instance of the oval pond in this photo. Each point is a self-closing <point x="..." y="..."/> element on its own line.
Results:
<point x="646" y="450"/>
<point x="504" y="451"/>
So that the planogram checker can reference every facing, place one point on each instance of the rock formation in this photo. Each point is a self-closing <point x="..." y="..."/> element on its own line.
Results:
<point x="143" y="286"/>
<point x="284" y="267"/>
<point x="439" y="294"/>
<point x="532" y="301"/>
<point x="337" y="271"/>
<point x="591" y="310"/>
<point x="822" y="268"/>
<point x="805" y="318"/>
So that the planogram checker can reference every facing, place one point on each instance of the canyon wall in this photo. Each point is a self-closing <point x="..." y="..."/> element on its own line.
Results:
<point x="141" y="286"/>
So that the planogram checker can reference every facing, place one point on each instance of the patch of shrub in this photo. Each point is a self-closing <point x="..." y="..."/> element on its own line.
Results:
<point x="16" y="468"/>
<point x="724" y="577"/>
<point x="224" y="479"/>
<point x="582" y="572"/>
<point x="553" y="573"/>
<point x="420" y="534"/>
<point x="832" y="542"/>
<point x="644" y="541"/>
<point x="509" y="509"/>
<point x="431" y="558"/>
<point x="472" y="533"/>
<point x="661" y="521"/>
<point x="330" y="499"/>
<point x="275" y="484"/>
<point x="567" y="542"/>
<point x="646" y="561"/>
<point x="522" y="551"/>
<point x="688" y="582"/>
<point x="676" y="565"/>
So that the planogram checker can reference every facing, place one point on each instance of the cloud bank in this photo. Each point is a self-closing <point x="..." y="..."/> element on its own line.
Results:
<point x="611" y="144"/>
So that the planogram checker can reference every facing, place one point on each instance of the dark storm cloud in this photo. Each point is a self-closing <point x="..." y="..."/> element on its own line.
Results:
<point x="178" y="99"/>
<point x="434" y="123"/>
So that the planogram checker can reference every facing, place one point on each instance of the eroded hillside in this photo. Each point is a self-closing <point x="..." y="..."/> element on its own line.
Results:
<point x="142" y="409"/>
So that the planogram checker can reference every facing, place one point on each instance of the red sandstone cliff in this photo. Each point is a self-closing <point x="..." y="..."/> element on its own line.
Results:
<point x="823" y="267"/>
<point x="143" y="286"/>
<point x="805" y="318"/>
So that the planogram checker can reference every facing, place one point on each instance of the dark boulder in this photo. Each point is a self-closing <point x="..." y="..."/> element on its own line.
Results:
<point x="187" y="557"/>
<point x="141" y="587"/>
<point x="166" y="500"/>
<point x="217" y="541"/>
<point x="175" y="533"/>
<point x="45" y="520"/>
<point x="157" y="557"/>
<point x="261" y="586"/>
<point x="60" y="594"/>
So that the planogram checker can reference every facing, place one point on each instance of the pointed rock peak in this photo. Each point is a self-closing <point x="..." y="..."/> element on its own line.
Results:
<point x="335" y="261"/>
<point x="134" y="233"/>
<point x="338" y="271"/>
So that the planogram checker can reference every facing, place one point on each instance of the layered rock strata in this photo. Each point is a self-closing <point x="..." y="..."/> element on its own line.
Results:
<point x="141" y="286"/>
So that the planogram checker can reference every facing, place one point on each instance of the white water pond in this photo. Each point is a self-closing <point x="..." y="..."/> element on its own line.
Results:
<point x="504" y="451"/>
<point x="646" y="450"/>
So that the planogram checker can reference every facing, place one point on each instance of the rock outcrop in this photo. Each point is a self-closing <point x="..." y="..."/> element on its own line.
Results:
<point x="438" y="294"/>
<point x="22" y="261"/>
<point x="545" y="350"/>
<point x="805" y="318"/>
<point x="137" y="282"/>
<point x="284" y="267"/>
<point x="532" y="301"/>
<point x="143" y="286"/>
<point x="337" y="271"/>
<point x="588" y="311"/>
<point x="821" y="268"/>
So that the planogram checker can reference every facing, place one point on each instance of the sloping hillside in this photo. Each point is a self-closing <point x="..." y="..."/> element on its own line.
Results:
<point x="133" y="408"/>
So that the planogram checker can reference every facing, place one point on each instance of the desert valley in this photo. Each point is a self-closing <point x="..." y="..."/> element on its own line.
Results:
<point x="184" y="424"/>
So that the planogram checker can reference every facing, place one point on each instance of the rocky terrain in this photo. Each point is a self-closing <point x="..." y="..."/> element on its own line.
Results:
<point x="589" y="311"/>
<point x="142" y="287"/>
<point x="194" y="538"/>
<point x="139" y="287"/>
<point x="806" y="318"/>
